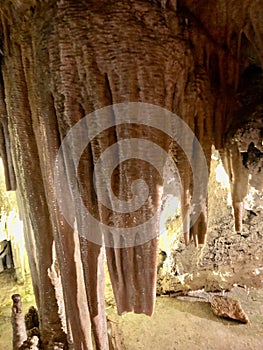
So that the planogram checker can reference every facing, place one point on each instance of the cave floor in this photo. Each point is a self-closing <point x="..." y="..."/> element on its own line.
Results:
<point x="185" y="323"/>
<point x="177" y="324"/>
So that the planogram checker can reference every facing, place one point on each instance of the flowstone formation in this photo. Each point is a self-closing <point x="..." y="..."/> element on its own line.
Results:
<point x="62" y="60"/>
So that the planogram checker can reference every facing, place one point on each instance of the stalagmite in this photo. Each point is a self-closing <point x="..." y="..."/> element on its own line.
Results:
<point x="18" y="322"/>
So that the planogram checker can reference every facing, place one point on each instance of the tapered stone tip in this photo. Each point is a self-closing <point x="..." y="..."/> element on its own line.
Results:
<point x="16" y="298"/>
<point x="17" y="303"/>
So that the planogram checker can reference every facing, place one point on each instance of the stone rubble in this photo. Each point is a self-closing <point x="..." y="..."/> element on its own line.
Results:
<point x="226" y="307"/>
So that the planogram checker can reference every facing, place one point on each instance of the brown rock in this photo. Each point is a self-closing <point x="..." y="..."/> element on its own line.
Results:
<point x="229" y="308"/>
<point x="18" y="323"/>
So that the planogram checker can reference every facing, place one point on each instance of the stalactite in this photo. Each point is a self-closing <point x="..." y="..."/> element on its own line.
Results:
<point x="5" y="149"/>
<point x="30" y="243"/>
<point x="64" y="61"/>
<point x="239" y="181"/>
<point x="22" y="135"/>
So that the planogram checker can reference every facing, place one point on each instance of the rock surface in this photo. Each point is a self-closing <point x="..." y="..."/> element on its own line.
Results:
<point x="229" y="308"/>
<point x="228" y="258"/>
<point x="62" y="60"/>
<point x="18" y="323"/>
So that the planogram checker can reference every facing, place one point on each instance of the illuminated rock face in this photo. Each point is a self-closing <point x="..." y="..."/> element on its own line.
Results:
<point x="61" y="61"/>
<point x="229" y="258"/>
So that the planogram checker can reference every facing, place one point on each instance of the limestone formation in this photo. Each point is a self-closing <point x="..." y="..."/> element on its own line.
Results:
<point x="18" y="323"/>
<point x="228" y="308"/>
<point x="61" y="60"/>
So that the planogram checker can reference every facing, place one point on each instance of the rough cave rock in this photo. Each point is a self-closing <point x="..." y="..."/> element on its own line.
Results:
<point x="61" y="60"/>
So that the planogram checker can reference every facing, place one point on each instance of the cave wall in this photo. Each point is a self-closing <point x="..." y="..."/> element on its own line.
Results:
<point x="229" y="258"/>
<point x="60" y="61"/>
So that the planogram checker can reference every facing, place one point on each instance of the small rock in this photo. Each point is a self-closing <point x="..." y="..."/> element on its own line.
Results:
<point x="227" y="307"/>
<point x="31" y="318"/>
<point x="58" y="346"/>
<point x="30" y="344"/>
<point x="34" y="342"/>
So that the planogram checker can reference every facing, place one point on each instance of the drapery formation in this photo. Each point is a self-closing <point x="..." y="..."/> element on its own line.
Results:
<point x="61" y="60"/>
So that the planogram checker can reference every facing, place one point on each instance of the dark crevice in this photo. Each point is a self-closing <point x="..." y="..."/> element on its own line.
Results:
<point x="214" y="71"/>
<point x="55" y="119"/>
<point x="248" y="55"/>
<point x="108" y="90"/>
<point x="252" y="156"/>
